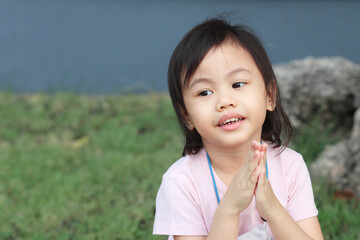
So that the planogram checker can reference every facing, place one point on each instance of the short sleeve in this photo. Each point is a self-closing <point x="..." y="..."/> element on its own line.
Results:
<point x="178" y="211"/>
<point x="301" y="202"/>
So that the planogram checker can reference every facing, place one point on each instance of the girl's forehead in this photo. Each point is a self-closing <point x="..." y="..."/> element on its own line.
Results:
<point x="229" y="52"/>
<point x="225" y="45"/>
<point x="224" y="58"/>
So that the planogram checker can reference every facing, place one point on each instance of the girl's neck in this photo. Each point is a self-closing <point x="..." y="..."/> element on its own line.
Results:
<point x="227" y="161"/>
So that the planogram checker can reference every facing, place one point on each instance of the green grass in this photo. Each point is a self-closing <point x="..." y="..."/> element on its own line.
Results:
<point x="339" y="218"/>
<point x="80" y="167"/>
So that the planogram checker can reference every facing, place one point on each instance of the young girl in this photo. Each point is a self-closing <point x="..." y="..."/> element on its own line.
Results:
<point x="235" y="178"/>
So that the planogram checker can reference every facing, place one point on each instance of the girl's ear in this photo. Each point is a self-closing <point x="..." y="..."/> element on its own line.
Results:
<point x="271" y="101"/>
<point x="189" y="124"/>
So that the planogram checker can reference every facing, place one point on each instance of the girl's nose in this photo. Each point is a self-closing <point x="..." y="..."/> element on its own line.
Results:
<point x="225" y="101"/>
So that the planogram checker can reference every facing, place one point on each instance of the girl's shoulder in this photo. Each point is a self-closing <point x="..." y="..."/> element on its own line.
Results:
<point x="286" y="160"/>
<point x="284" y="153"/>
<point x="187" y="165"/>
<point x="187" y="175"/>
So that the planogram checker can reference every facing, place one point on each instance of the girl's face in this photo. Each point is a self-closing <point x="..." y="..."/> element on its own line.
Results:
<point x="226" y="99"/>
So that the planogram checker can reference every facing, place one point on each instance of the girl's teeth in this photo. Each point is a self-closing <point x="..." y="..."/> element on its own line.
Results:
<point x="229" y="121"/>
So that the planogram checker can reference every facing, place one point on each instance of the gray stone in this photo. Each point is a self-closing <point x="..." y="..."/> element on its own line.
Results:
<point x="340" y="163"/>
<point x="330" y="86"/>
<point x="356" y="127"/>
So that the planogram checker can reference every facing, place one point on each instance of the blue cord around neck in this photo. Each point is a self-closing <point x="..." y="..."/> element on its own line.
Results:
<point x="213" y="178"/>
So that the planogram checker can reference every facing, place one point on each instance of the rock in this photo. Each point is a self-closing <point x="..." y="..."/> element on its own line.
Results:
<point x="330" y="86"/>
<point x="356" y="126"/>
<point x="340" y="163"/>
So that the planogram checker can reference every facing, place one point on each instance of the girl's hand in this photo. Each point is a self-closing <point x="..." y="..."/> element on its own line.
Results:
<point x="266" y="202"/>
<point x="281" y="223"/>
<point x="242" y="187"/>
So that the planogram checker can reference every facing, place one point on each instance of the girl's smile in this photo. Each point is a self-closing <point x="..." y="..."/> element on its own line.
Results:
<point x="230" y="122"/>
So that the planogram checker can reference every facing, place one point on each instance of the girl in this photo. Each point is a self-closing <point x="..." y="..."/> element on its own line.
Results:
<point x="235" y="178"/>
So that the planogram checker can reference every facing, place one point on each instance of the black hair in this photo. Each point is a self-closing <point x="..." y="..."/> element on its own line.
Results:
<point x="188" y="55"/>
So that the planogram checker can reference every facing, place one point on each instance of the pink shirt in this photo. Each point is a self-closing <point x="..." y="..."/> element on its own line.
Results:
<point x="186" y="201"/>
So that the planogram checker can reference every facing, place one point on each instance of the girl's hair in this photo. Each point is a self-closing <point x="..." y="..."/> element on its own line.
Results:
<point x="188" y="55"/>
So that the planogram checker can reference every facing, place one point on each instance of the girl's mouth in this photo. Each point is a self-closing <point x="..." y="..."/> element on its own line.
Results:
<point x="230" y="121"/>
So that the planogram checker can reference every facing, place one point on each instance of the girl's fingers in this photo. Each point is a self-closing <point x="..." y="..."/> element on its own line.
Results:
<point x="262" y="162"/>
<point x="263" y="146"/>
<point x="255" y="176"/>
<point x="254" y="158"/>
<point x="252" y="163"/>
<point x="260" y="188"/>
<point x="262" y="175"/>
<point x="256" y="145"/>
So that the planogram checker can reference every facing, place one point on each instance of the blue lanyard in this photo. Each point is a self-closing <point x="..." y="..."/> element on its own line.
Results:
<point x="213" y="178"/>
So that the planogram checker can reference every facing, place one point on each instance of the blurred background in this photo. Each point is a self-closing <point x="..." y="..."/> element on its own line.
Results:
<point x="121" y="46"/>
<point x="82" y="152"/>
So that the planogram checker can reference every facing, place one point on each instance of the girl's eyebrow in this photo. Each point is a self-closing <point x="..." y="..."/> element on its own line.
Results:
<point x="237" y="70"/>
<point x="200" y="80"/>
<point x="230" y="73"/>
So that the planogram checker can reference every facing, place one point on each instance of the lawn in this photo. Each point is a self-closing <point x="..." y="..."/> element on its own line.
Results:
<point x="88" y="167"/>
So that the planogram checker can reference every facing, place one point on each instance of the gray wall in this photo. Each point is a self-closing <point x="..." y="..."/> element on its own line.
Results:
<point x="113" y="46"/>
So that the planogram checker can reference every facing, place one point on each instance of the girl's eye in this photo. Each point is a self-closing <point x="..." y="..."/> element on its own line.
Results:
<point x="205" y="93"/>
<point x="238" y="84"/>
